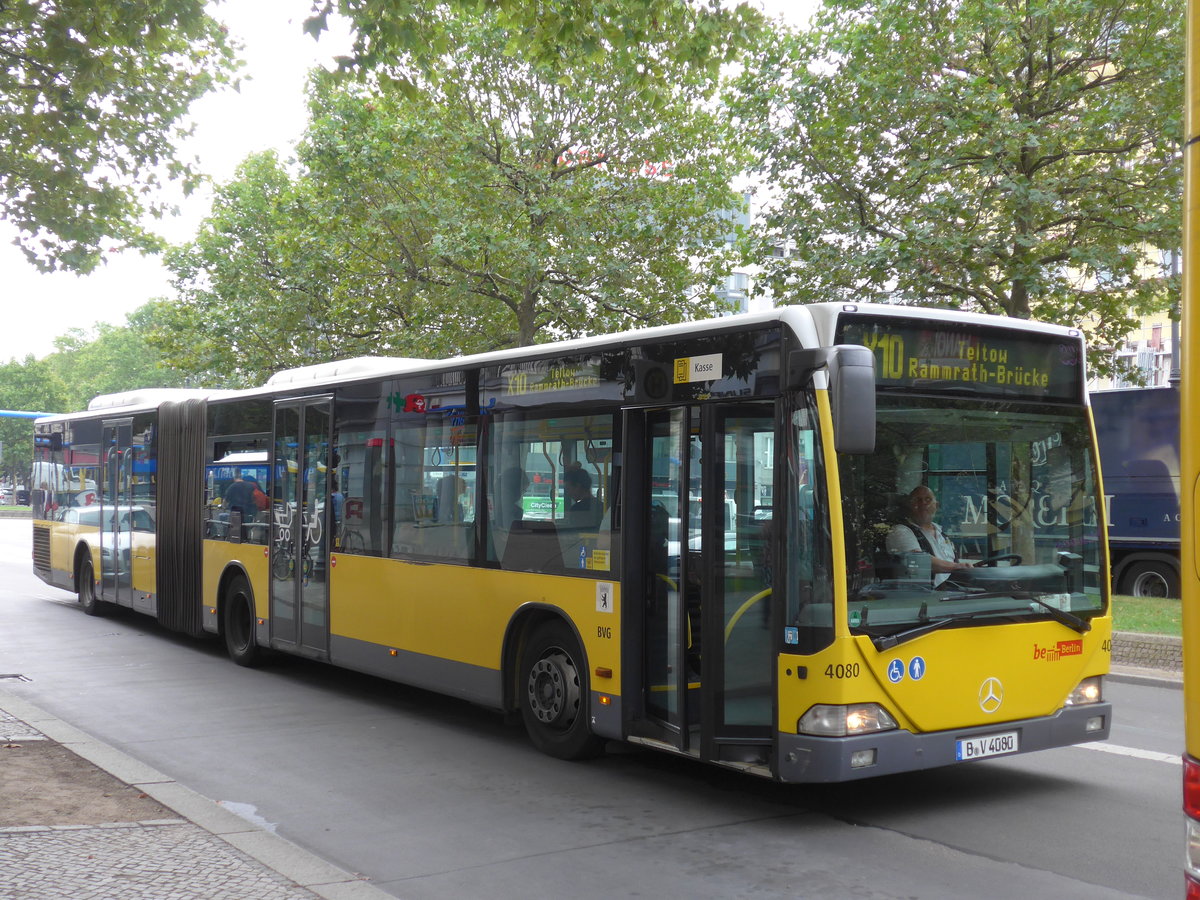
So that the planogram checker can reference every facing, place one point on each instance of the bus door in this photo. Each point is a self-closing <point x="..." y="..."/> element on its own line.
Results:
<point x="706" y="486"/>
<point x="116" y="512"/>
<point x="299" y="547"/>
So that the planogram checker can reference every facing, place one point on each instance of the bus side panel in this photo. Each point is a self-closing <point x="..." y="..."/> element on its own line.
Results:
<point x="433" y="615"/>
<point x="55" y="567"/>
<point x="144" y="562"/>
<point x="64" y="538"/>
<point x="218" y="557"/>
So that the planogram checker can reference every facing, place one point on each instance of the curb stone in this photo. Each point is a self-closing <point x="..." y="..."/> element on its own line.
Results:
<point x="1163" y="652"/>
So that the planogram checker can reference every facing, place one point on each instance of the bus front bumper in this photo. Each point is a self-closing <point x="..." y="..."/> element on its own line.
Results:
<point x="803" y="758"/>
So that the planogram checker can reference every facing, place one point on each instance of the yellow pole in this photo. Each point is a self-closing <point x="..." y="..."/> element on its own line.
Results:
<point x="1190" y="373"/>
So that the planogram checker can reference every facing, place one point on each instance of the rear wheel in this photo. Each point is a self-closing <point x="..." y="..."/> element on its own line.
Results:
<point x="238" y="624"/>
<point x="92" y="605"/>
<point x="553" y="691"/>
<point x="1150" y="578"/>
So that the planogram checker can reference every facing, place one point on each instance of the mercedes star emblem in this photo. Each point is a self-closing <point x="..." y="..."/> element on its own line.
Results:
<point x="991" y="695"/>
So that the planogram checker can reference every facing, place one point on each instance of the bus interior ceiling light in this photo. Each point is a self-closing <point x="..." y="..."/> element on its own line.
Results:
<point x="828" y="720"/>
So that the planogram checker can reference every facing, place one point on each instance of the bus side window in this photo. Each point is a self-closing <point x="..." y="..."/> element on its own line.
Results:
<point x="435" y="488"/>
<point x="550" y="493"/>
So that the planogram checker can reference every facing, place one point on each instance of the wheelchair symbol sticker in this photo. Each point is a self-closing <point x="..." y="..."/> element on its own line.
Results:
<point x="916" y="668"/>
<point x="895" y="671"/>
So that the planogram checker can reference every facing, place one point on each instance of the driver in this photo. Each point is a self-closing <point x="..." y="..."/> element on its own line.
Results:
<point x="920" y="534"/>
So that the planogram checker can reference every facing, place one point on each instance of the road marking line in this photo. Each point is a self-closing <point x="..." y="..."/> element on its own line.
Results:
<point x="1152" y="755"/>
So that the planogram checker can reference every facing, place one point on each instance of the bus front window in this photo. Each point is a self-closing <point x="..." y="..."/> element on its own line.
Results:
<point x="970" y="512"/>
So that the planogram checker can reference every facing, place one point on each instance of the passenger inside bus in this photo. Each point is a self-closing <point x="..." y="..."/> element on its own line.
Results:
<point x="582" y="509"/>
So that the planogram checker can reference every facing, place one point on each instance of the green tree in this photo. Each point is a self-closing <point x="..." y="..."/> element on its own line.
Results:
<point x="260" y="287"/>
<point x="647" y="38"/>
<point x="516" y="206"/>
<point x="110" y="359"/>
<point x="1013" y="158"/>
<point x="30" y="385"/>
<point x="499" y="204"/>
<point x="92" y="97"/>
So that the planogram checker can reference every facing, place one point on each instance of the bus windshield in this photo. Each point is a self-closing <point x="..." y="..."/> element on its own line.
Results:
<point x="971" y="512"/>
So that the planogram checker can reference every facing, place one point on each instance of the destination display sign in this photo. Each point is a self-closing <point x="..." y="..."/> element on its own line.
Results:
<point x="949" y="356"/>
<point x="548" y="376"/>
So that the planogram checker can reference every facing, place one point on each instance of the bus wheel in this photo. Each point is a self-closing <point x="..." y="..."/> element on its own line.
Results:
<point x="554" y="694"/>
<point x="238" y="624"/>
<point x="1149" y="578"/>
<point x="92" y="605"/>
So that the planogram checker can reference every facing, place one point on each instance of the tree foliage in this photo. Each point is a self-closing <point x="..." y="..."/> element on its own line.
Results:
<point x="106" y="359"/>
<point x="497" y="205"/>
<point x="109" y="359"/>
<point x="92" y="97"/>
<point x="30" y="385"/>
<point x="256" y="287"/>
<point x="649" y="39"/>
<point x="1015" y="158"/>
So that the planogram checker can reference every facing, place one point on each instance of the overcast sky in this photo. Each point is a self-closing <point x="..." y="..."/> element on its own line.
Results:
<point x="268" y="112"/>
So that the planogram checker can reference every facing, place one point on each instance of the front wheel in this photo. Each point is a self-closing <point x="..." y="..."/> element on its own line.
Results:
<point x="553" y="692"/>
<point x="238" y="624"/>
<point x="92" y="605"/>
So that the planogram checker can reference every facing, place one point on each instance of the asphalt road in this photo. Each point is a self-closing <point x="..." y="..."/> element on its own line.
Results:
<point x="434" y="798"/>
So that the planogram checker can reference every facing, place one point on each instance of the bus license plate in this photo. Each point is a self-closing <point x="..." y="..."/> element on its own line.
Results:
<point x="988" y="745"/>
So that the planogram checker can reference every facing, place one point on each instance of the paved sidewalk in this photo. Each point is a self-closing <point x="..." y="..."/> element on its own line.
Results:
<point x="199" y="851"/>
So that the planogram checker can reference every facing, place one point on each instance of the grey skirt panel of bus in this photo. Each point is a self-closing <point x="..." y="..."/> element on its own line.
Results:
<point x="181" y="429"/>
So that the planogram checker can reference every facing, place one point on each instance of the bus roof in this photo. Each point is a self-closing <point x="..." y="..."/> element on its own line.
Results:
<point x="150" y="397"/>
<point x="814" y="324"/>
<point x="340" y="370"/>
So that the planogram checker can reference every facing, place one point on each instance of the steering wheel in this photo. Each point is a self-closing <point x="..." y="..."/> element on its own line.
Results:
<point x="992" y="560"/>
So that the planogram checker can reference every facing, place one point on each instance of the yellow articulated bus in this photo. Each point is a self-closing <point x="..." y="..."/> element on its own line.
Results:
<point x="818" y="544"/>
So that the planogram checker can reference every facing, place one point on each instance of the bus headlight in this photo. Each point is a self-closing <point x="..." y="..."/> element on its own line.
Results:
<point x="1090" y="690"/>
<point x="842" y="721"/>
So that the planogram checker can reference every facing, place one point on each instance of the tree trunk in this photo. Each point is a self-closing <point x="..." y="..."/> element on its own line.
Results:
<point x="527" y="315"/>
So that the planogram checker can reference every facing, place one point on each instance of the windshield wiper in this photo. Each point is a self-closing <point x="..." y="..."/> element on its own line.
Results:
<point x="1083" y="626"/>
<point x="887" y="641"/>
<point x="1072" y="621"/>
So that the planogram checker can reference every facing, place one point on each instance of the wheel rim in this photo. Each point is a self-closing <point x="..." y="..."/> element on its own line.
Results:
<point x="1150" y="584"/>
<point x="553" y="690"/>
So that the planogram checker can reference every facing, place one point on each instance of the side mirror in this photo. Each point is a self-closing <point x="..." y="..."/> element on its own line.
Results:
<point x="851" y="371"/>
